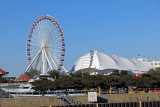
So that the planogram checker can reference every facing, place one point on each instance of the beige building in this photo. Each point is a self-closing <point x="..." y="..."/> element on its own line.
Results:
<point x="155" y="64"/>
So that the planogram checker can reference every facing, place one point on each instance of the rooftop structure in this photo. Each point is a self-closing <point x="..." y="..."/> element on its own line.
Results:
<point x="95" y="60"/>
<point x="24" y="77"/>
<point x="2" y="73"/>
<point x="155" y="64"/>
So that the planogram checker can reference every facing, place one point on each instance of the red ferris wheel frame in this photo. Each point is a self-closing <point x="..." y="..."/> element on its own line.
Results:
<point x="59" y="29"/>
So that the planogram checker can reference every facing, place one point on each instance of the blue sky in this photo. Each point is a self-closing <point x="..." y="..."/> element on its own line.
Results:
<point x="124" y="28"/>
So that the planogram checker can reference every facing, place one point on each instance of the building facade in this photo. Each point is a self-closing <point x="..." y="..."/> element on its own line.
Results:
<point x="155" y="64"/>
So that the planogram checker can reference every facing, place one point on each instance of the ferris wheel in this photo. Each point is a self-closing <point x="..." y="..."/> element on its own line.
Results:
<point x="45" y="45"/>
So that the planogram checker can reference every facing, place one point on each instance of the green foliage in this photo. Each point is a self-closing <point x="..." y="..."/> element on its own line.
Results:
<point x="77" y="83"/>
<point x="123" y="73"/>
<point x="44" y="84"/>
<point x="126" y="81"/>
<point x="78" y="74"/>
<point x="3" y="80"/>
<point x="154" y="71"/>
<point x="92" y="81"/>
<point x="54" y="74"/>
<point x="110" y="81"/>
<point x="116" y="79"/>
<point x="64" y="82"/>
<point x="33" y="73"/>
<point x="89" y="81"/>
<point x="116" y="72"/>
<point x="149" y="80"/>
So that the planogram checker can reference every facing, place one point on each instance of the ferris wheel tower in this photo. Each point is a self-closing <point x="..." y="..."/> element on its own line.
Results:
<point x="45" y="45"/>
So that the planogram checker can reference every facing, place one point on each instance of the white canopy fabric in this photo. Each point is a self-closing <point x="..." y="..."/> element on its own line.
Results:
<point x="102" y="62"/>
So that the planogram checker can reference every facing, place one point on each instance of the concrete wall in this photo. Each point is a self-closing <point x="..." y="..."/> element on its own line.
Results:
<point x="31" y="102"/>
<point x="132" y="97"/>
<point x="116" y="98"/>
<point x="83" y="99"/>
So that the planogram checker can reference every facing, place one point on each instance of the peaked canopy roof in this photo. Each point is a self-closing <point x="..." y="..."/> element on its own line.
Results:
<point x="101" y="61"/>
<point x="24" y="77"/>
<point x="3" y="72"/>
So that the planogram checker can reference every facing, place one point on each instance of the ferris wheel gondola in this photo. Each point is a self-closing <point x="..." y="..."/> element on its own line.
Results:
<point x="45" y="45"/>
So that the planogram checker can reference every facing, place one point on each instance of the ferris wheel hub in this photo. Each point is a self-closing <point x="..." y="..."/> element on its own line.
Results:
<point x="45" y="45"/>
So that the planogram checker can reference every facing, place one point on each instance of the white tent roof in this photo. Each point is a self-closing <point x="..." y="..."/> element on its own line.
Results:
<point x="105" y="62"/>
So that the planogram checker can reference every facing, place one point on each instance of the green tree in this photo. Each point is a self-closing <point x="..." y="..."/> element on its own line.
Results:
<point x="33" y="73"/>
<point x="64" y="82"/>
<point x="44" y="84"/>
<point x="115" y="72"/>
<point x="3" y="80"/>
<point x="76" y="74"/>
<point x="63" y="73"/>
<point x="154" y="71"/>
<point x="110" y="80"/>
<point x="150" y="80"/>
<point x="54" y="74"/>
<point x="126" y="81"/>
<point x="124" y="72"/>
<point x="77" y="83"/>
<point x="92" y="81"/>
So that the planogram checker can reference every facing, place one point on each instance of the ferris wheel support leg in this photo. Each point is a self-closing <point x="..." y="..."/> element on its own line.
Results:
<point x="65" y="69"/>
<point x="48" y="60"/>
<point x="55" y="57"/>
<point x="33" y="60"/>
<point x="52" y="60"/>
<point x="62" y="66"/>
<point x="43" y="62"/>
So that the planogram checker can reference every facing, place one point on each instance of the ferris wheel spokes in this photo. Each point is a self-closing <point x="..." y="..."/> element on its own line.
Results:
<point x="48" y="60"/>
<point x="35" y="44"/>
<point x="32" y="61"/>
<point x="45" y="45"/>
<point x="62" y="65"/>
<point x="53" y="61"/>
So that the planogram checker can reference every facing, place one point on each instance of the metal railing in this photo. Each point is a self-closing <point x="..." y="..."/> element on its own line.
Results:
<point x="127" y="91"/>
<point x="4" y="94"/>
<point x="125" y="104"/>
